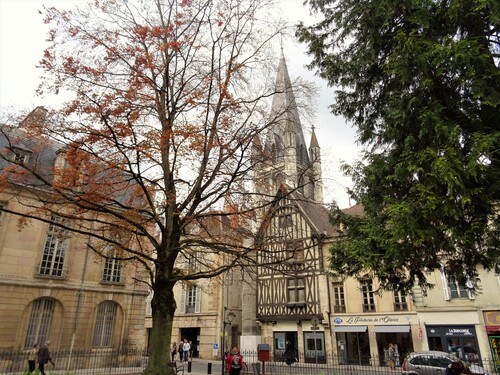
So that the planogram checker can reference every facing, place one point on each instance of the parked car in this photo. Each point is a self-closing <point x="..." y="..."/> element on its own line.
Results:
<point x="433" y="363"/>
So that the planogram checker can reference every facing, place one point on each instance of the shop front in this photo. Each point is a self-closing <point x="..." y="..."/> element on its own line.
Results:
<point x="362" y="338"/>
<point x="353" y="345"/>
<point x="492" y="324"/>
<point x="307" y="340"/>
<point x="459" y="340"/>
<point x="398" y="335"/>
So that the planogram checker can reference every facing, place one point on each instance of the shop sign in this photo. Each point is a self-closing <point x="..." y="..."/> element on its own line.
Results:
<point x="492" y="318"/>
<point x="451" y="331"/>
<point x="458" y="332"/>
<point x="374" y="319"/>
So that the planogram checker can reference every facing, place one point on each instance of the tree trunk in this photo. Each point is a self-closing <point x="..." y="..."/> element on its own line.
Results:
<point x="163" y="308"/>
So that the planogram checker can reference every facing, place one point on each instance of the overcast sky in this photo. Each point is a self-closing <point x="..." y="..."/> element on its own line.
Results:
<point x="22" y="40"/>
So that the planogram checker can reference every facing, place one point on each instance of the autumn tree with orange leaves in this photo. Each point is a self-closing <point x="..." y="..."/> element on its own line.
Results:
<point x="166" y="99"/>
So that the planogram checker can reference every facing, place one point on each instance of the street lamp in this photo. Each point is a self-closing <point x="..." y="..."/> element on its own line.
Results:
<point x="230" y="316"/>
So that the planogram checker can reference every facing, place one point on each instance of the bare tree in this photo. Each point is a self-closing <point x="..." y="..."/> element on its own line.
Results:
<point x="153" y="149"/>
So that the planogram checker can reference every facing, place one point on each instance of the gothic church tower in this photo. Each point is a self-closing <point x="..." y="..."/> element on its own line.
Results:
<point x="291" y="162"/>
<point x="286" y="162"/>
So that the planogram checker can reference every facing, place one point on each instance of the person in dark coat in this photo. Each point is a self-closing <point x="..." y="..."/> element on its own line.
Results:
<point x="173" y="350"/>
<point x="44" y="357"/>
<point x="290" y="357"/>
<point x="457" y="368"/>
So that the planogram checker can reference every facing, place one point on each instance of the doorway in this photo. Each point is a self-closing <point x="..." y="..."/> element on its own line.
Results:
<point x="192" y="335"/>
<point x="314" y="345"/>
<point x="280" y="339"/>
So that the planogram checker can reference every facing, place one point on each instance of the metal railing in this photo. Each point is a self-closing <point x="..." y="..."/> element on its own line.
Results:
<point x="329" y="364"/>
<point x="91" y="362"/>
<point x="109" y="361"/>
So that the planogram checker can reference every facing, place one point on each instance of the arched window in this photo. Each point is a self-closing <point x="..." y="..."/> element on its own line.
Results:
<point x="42" y="311"/>
<point x="104" y="324"/>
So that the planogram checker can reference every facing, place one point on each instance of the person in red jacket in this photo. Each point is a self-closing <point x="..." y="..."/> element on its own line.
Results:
<point x="234" y="361"/>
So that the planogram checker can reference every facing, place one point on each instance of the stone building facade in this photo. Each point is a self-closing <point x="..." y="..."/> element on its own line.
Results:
<point x="53" y="287"/>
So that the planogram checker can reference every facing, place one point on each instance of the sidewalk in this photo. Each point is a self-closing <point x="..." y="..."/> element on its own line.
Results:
<point x="198" y="367"/>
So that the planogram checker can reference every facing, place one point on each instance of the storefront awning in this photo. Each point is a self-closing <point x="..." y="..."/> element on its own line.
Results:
<point x="391" y="329"/>
<point x="350" y="328"/>
<point x="493" y="329"/>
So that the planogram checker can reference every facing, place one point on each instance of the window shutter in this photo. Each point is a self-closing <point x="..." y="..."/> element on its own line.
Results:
<point x="446" y="289"/>
<point x="197" y="302"/>
<point x="183" y="299"/>
<point x="470" y="289"/>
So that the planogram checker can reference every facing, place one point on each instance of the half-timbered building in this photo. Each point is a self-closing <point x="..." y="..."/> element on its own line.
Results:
<point x="291" y="294"/>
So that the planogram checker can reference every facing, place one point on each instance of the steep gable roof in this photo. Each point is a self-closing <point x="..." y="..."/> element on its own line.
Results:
<point x="316" y="214"/>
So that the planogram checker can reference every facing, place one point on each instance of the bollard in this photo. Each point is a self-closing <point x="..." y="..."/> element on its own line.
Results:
<point x="209" y="368"/>
<point x="189" y="366"/>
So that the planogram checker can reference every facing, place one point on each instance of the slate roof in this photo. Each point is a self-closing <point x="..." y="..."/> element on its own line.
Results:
<point x="43" y="152"/>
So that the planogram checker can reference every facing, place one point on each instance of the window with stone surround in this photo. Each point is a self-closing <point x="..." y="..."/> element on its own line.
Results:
<point x="368" y="295"/>
<point x="455" y="289"/>
<point x="112" y="272"/>
<point x="54" y="251"/>
<point x="191" y="299"/>
<point x="42" y="311"/>
<point x="338" y="298"/>
<point x="104" y="324"/>
<point x="400" y="302"/>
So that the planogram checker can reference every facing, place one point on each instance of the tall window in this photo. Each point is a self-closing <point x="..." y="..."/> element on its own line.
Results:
<point x="104" y="324"/>
<point x="54" y="251"/>
<point x="112" y="269"/>
<point x="338" y="298"/>
<point x="295" y="290"/>
<point x="400" y="302"/>
<point x="452" y="288"/>
<point x="42" y="311"/>
<point x="368" y="296"/>
<point x="193" y="262"/>
<point x="191" y="299"/>
<point x="457" y="289"/>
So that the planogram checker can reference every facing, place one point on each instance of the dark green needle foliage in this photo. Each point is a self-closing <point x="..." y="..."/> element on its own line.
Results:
<point x="420" y="81"/>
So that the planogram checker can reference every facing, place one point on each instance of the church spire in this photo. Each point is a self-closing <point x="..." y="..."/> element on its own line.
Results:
<point x="292" y="160"/>
<point x="284" y="114"/>
<point x="315" y="155"/>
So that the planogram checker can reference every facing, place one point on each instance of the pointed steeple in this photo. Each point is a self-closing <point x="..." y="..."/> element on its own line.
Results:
<point x="314" y="140"/>
<point x="315" y="155"/>
<point x="289" y="160"/>
<point x="284" y="114"/>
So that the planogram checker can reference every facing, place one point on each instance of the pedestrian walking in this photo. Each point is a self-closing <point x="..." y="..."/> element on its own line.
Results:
<point x="186" y="348"/>
<point x="391" y="357"/>
<point x="173" y="351"/>
<point x="290" y="357"/>
<point x="44" y="357"/>
<point x="32" y="357"/>
<point x="234" y="361"/>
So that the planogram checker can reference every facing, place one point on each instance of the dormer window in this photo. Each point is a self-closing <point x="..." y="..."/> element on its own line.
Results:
<point x="20" y="156"/>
